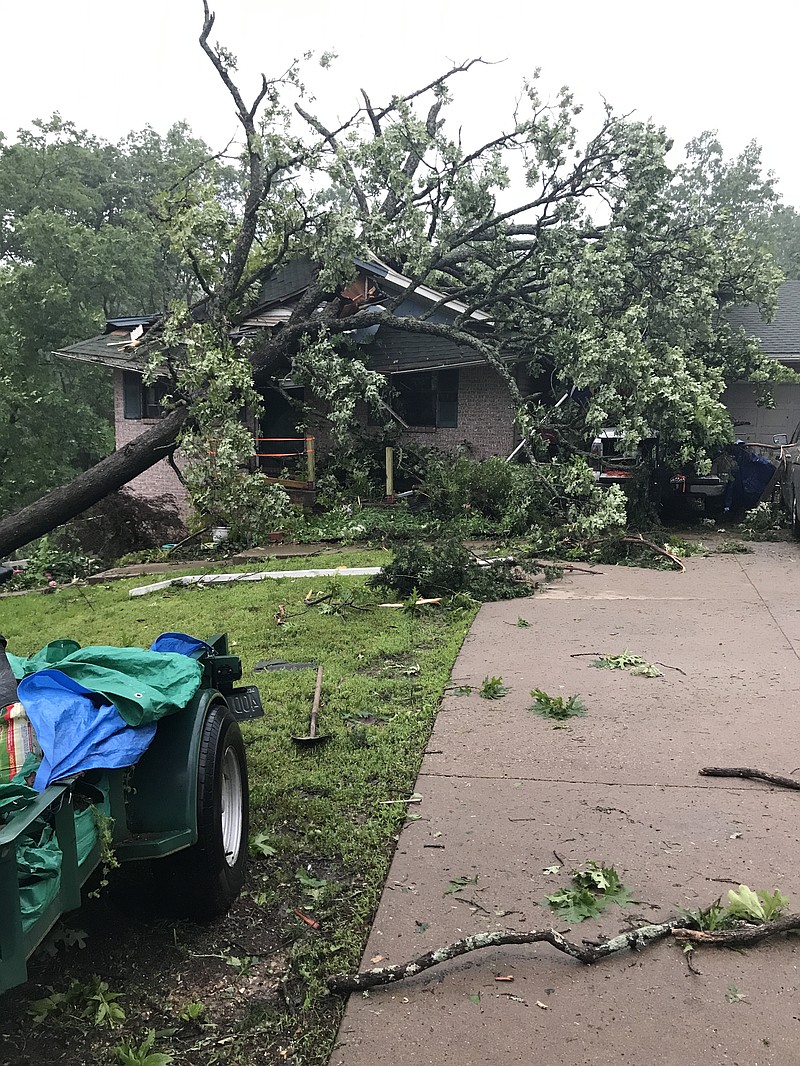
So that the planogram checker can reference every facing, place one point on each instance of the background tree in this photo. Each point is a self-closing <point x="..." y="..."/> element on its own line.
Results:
<point x="80" y="241"/>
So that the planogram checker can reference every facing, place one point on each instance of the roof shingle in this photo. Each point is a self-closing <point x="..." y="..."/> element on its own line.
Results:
<point x="779" y="338"/>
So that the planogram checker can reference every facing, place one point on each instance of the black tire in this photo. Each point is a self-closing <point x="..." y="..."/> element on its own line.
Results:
<point x="795" y="518"/>
<point x="201" y="882"/>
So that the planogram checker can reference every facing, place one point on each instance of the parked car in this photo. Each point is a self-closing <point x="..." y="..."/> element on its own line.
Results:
<point x="738" y="479"/>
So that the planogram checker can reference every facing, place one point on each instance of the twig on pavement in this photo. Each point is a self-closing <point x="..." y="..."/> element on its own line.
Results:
<point x="749" y="772"/>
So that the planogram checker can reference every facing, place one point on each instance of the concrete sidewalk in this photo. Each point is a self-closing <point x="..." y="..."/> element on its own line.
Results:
<point x="506" y="796"/>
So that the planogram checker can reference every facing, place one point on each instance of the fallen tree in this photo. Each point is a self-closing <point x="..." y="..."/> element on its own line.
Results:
<point x="67" y="501"/>
<point x="605" y="276"/>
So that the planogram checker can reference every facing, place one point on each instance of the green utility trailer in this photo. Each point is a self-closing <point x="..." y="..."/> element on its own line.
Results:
<point x="183" y="807"/>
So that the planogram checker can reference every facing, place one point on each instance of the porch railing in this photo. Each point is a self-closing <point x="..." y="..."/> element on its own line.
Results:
<point x="307" y="451"/>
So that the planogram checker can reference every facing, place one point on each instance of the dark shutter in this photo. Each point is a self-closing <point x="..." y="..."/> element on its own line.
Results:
<point x="447" y="399"/>
<point x="131" y="394"/>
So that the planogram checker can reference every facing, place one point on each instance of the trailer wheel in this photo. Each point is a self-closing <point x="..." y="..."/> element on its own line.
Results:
<point x="204" y="880"/>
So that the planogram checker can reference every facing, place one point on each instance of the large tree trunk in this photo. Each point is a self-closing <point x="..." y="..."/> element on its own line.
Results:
<point x="93" y="485"/>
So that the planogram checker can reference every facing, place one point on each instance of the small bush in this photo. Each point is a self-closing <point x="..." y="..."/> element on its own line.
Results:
<point x="446" y="568"/>
<point x="48" y="563"/>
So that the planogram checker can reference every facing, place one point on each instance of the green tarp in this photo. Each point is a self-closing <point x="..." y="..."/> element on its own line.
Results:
<point x="143" y="685"/>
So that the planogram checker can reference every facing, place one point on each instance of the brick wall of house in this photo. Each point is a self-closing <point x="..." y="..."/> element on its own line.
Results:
<point x="160" y="480"/>
<point x="485" y="428"/>
<point x="485" y="417"/>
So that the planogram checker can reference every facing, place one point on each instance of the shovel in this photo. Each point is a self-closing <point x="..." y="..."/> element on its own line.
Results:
<point x="313" y="736"/>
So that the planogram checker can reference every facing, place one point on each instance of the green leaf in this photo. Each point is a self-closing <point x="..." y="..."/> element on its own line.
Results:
<point x="745" y="904"/>
<point x="493" y="688"/>
<point x="594" y="889"/>
<point x="774" y="904"/>
<point x="259" y="845"/>
<point x="307" y="880"/>
<point x="475" y="997"/>
<point x="626" y="660"/>
<point x="458" y="884"/>
<point x="556" y="707"/>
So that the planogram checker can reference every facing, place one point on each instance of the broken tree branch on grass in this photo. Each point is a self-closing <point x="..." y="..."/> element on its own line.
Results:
<point x="587" y="953"/>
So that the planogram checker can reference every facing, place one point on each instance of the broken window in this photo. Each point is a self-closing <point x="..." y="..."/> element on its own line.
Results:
<point x="140" y="400"/>
<point x="428" y="398"/>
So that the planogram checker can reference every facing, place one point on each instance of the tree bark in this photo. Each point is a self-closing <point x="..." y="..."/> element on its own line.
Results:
<point x="93" y="485"/>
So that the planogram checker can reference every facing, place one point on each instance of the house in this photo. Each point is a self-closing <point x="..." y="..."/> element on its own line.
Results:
<point x="443" y="395"/>
<point x="780" y="340"/>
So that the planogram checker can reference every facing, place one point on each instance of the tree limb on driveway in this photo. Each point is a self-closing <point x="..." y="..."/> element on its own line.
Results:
<point x="586" y="953"/>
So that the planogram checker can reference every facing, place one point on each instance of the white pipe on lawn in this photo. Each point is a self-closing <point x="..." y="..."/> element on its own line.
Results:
<point x="261" y="575"/>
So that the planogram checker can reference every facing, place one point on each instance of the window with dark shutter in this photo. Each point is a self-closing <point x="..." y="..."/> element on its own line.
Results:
<point x="428" y="398"/>
<point x="140" y="400"/>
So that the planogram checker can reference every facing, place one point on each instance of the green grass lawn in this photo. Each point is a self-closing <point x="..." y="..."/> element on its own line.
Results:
<point x="322" y="835"/>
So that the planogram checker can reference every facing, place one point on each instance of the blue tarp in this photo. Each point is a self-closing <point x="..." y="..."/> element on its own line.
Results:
<point x="181" y="644"/>
<point x="96" y="707"/>
<point x="78" y="729"/>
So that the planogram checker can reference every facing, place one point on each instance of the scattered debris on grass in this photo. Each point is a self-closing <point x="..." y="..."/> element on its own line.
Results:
<point x="556" y="707"/>
<point x="446" y="568"/>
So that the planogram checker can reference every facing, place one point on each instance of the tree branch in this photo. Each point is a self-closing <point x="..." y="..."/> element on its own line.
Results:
<point x="587" y="953"/>
<point x="398" y="100"/>
<point x="376" y="126"/>
<point x="331" y="139"/>
<point x="747" y="772"/>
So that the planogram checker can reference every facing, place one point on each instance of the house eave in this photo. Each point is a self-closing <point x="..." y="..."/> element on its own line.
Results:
<point x="115" y="362"/>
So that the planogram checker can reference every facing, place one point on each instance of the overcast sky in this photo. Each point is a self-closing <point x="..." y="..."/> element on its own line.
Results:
<point x="112" y="66"/>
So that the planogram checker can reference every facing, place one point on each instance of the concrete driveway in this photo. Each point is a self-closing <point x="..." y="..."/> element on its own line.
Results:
<point x="506" y="797"/>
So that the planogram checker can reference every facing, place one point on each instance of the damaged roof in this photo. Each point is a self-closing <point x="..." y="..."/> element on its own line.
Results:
<point x="779" y="338"/>
<point x="112" y="348"/>
<point x="390" y="350"/>
<point x="297" y="275"/>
